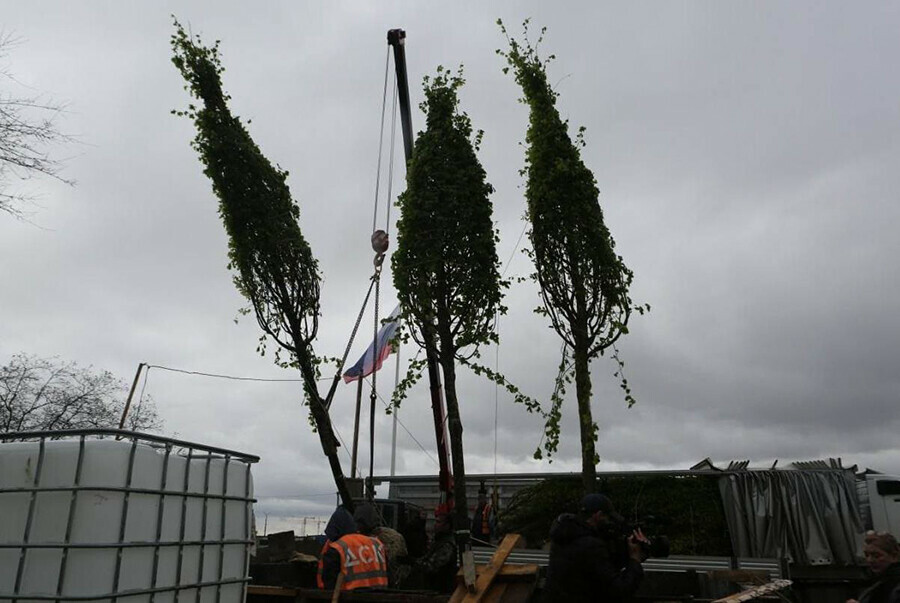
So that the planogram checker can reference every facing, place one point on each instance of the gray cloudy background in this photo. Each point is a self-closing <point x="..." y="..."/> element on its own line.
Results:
<point x="746" y="155"/>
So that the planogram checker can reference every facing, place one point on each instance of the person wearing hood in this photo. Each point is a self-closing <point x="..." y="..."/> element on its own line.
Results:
<point x="359" y="558"/>
<point x="369" y="523"/>
<point x="586" y="560"/>
<point x="883" y="556"/>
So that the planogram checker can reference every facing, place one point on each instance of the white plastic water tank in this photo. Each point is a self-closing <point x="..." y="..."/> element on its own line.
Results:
<point x="141" y="517"/>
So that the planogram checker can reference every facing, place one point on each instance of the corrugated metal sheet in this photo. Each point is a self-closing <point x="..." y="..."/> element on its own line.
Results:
<point x="675" y="563"/>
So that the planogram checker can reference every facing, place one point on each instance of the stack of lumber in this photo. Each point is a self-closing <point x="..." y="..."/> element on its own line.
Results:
<point x="496" y="581"/>
<point x="756" y="592"/>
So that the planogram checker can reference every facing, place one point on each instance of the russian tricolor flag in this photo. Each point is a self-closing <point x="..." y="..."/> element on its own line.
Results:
<point x="373" y="357"/>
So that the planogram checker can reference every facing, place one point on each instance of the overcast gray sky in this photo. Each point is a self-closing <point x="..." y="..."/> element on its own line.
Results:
<point x="746" y="155"/>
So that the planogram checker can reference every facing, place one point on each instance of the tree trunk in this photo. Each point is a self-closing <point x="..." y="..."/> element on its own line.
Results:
<point x="324" y="428"/>
<point x="454" y="423"/>
<point x="329" y="447"/>
<point x="585" y="419"/>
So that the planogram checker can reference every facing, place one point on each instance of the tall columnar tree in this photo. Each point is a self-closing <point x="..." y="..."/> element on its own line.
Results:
<point x="445" y="267"/>
<point x="584" y="283"/>
<point x="273" y="265"/>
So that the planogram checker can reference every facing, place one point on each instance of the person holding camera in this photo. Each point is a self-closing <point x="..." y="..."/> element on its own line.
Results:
<point x="591" y="558"/>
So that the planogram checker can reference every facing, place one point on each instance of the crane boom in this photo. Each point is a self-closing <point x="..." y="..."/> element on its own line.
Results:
<point x="397" y="39"/>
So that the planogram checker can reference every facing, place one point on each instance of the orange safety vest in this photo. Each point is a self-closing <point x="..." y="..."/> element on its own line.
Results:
<point x="363" y="562"/>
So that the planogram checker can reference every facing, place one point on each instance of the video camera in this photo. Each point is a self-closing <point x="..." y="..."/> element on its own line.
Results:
<point x="658" y="546"/>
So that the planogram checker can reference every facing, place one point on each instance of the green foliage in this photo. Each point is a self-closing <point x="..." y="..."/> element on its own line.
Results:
<point x="553" y="415"/>
<point x="273" y="264"/>
<point x="584" y="282"/>
<point x="445" y="267"/>
<point x="413" y="376"/>
<point x="530" y="404"/>
<point x="687" y="509"/>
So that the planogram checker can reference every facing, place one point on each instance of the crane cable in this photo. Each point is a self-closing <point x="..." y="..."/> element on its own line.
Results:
<point x="380" y="243"/>
<point x="495" y="494"/>
<point x="387" y="59"/>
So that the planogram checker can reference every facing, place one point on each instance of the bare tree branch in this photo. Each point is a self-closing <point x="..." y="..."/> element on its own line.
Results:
<point x="46" y="394"/>
<point x="28" y="131"/>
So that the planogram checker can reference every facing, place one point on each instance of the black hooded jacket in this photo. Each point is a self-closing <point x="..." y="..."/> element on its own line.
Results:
<point x="885" y="589"/>
<point x="585" y="567"/>
<point x="340" y="524"/>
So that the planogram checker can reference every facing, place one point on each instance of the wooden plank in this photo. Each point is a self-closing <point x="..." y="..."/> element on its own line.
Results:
<point x="754" y="593"/>
<point x="271" y="591"/>
<point x="519" y="592"/>
<point x="484" y="581"/>
<point x="337" y="587"/>
<point x="468" y="570"/>
<point x="495" y="594"/>
<point x="458" y="594"/>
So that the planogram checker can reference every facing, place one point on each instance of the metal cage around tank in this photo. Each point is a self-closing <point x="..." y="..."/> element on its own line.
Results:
<point x="157" y="523"/>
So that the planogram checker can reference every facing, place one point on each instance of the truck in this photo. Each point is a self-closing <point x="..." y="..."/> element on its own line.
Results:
<point x="804" y="521"/>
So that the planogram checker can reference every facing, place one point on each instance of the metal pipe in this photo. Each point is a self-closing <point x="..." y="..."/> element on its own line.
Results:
<point x="184" y="499"/>
<point x="353" y="457"/>
<point x="395" y="412"/>
<point x="123" y="489"/>
<point x="123" y="522"/>
<point x="131" y="593"/>
<point x="115" y="545"/>
<point x="203" y="527"/>
<point x="28" y="521"/>
<point x="222" y="530"/>
<point x="64" y="433"/>
<point x="160" y="510"/>
<point x="248" y="511"/>
<point x="72" y="502"/>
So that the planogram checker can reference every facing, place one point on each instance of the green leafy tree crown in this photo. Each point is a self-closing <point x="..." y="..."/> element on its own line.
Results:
<point x="446" y="261"/>
<point x="273" y="265"/>
<point x="584" y="283"/>
<point x="445" y="268"/>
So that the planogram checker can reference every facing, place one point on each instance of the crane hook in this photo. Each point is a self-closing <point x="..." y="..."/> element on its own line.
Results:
<point x="380" y="244"/>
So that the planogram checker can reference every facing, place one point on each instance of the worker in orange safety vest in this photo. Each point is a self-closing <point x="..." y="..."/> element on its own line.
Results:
<point x="360" y="558"/>
<point x="484" y="519"/>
